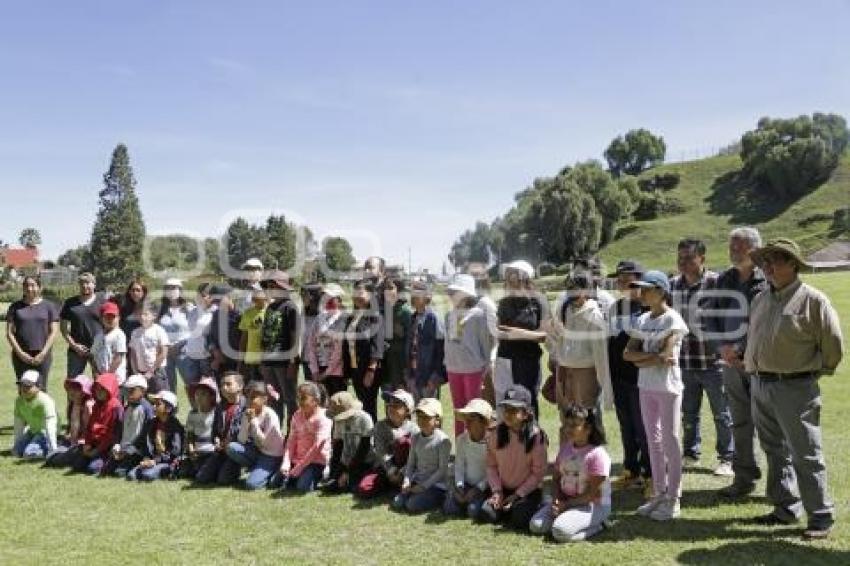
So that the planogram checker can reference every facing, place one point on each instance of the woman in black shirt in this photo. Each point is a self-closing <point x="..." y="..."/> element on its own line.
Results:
<point x="31" y="328"/>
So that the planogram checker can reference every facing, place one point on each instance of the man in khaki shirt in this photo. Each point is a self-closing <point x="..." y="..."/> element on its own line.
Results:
<point x="794" y="338"/>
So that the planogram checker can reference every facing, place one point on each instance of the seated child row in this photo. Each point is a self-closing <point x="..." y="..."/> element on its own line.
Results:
<point x="497" y="474"/>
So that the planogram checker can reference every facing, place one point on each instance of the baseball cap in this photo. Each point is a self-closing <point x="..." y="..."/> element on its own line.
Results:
<point x="477" y="407"/>
<point x="516" y="396"/>
<point x="401" y="396"/>
<point x="657" y="279"/>
<point x="109" y="308"/>
<point x="430" y="406"/>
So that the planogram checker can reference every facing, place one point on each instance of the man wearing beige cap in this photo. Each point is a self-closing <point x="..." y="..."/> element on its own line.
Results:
<point x="794" y="338"/>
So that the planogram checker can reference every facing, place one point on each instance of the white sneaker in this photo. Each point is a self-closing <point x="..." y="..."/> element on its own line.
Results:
<point x="724" y="469"/>
<point x="667" y="510"/>
<point x="647" y="508"/>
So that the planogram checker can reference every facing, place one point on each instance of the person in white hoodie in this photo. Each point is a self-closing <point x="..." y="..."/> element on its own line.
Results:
<point x="578" y="348"/>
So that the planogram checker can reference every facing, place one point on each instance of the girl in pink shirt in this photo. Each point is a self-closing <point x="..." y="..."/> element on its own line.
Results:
<point x="308" y="447"/>
<point x="581" y="489"/>
<point x="516" y="462"/>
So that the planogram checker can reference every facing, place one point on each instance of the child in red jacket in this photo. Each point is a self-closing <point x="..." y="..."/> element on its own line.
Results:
<point x="103" y="427"/>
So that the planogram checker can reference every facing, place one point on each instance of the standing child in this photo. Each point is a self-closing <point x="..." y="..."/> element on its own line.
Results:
<point x="364" y="348"/>
<point x="470" y="482"/>
<point x="469" y="344"/>
<point x="393" y="437"/>
<point x="251" y="345"/>
<point x="397" y="315"/>
<point x="654" y="349"/>
<point x="104" y="426"/>
<point x="308" y="446"/>
<point x="227" y="420"/>
<point x="199" y="426"/>
<point x="325" y="341"/>
<point x="80" y="403"/>
<point x="161" y="443"/>
<point x="352" y="442"/>
<point x="581" y="489"/>
<point x="260" y="444"/>
<point x="426" y="370"/>
<point x="35" y="419"/>
<point x="109" y="349"/>
<point x="516" y="462"/>
<point x="137" y="412"/>
<point x="149" y="350"/>
<point x="424" y="484"/>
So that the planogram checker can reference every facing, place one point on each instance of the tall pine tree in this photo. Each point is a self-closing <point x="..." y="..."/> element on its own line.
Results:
<point x="118" y="235"/>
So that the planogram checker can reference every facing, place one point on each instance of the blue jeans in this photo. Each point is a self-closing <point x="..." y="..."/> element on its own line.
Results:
<point x="192" y="370"/>
<point x="711" y="382"/>
<point x="426" y="500"/>
<point x="155" y="472"/>
<point x="452" y="508"/>
<point x="261" y="467"/>
<point x="305" y="483"/>
<point x="173" y="364"/>
<point x="31" y="446"/>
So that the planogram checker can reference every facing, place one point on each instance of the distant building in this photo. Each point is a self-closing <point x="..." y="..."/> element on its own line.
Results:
<point x="19" y="258"/>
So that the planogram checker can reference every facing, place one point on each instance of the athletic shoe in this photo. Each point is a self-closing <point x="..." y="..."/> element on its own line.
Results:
<point x="647" y="508"/>
<point x="724" y="469"/>
<point x="666" y="510"/>
<point x="817" y="532"/>
<point x="737" y="489"/>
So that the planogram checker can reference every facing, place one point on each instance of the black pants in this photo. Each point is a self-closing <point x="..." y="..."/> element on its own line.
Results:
<point x="43" y="369"/>
<point x="334" y="384"/>
<point x="635" y="448"/>
<point x="369" y="395"/>
<point x="520" y="513"/>
<point x="277" y="375"/>
<point x="76" y="363"/>
<point x="526" y="372"/>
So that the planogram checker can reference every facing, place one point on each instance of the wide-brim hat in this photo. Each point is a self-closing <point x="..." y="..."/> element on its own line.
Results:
<point x="783" y="245"/>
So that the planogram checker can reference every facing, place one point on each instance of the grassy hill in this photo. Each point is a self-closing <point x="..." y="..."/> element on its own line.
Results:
<point x="715" y="201"/>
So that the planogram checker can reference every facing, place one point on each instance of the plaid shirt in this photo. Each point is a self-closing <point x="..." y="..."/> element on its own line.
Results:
<point x="697" y="352"/>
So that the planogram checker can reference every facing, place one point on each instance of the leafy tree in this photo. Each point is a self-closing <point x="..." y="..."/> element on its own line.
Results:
<point x="76" y="257"/>
<point x="118" y="235"/>
<point x="173" y="252"/>
<point x="338" y="253"/>
<point x="242" y="241"/>
<point x="635" y="152"/>
<point x="211" y="251"/>
<point x="612" y="198"/>
<point x="30" y="238"/>
<point x="279" y="243"/>
<point x="789" y="157"/>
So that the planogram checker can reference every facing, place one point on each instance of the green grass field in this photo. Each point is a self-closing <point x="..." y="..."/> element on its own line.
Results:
<point x="48" y="517"/>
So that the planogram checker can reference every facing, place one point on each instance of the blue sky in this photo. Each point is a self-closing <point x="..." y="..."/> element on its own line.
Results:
<point x="397" y="124"/>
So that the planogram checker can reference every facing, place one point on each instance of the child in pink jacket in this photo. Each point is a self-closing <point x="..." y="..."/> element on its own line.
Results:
<point x="308" y="447"/>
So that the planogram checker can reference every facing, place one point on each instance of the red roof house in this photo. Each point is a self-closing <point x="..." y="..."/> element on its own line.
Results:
<point x="16" y="258"/>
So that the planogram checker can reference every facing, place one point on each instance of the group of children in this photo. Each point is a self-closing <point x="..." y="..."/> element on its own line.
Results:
<point x="332" y="444"/>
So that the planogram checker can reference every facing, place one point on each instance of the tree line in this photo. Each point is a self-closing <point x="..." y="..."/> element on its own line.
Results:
<point x="575" y="213"/>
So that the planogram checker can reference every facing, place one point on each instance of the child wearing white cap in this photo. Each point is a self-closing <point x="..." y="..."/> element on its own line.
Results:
<point x="137" y="412"/>
<point x="161" y="442"/>
<point x="470" y="491"/>
<point x="393" y="438"/>
<point x="468" y="344"/>
<point x="35" y="419"/>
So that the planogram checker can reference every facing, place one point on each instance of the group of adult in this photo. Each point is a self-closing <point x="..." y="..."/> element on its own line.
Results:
<point x="759" y="339"/>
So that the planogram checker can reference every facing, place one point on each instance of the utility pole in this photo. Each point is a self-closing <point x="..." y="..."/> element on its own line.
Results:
<point x="409" y="261"/>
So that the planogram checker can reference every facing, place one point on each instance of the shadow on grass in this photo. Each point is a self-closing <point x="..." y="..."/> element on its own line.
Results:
<point x="764" y="552"/>
<point x="372" y="502"/>
<point x="6" y="430"/>
<point x="632" y="527"/>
